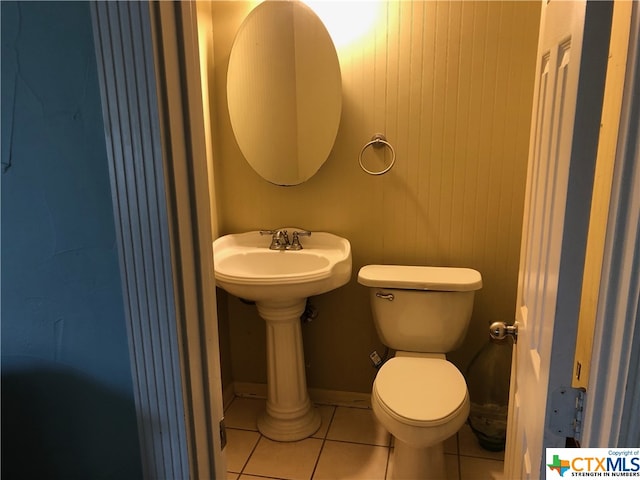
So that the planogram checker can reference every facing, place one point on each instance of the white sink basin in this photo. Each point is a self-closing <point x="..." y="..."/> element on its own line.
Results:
<point x="246" y="267"/>
<point x="279" y="281"/>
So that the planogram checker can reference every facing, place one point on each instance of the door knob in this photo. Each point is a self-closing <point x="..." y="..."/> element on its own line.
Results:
<point x="500" y="331"/>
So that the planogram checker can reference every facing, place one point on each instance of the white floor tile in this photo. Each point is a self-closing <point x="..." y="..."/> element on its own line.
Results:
<point x="470" y="447"/>
<point x="243" y="413"/>
<point x="450" y="462"/>
<point x="347" y="461"/>
<point x="288" y="460"/>
<point x="240" y="444"/>
<point x="450" y="445"/>
<point x="356" y="448"/>
<point x="357" y="425"/>
<point x="480" y="469"/>
<point x="326" y="413"/>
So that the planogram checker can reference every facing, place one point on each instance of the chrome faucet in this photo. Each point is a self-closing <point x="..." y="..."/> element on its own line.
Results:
<point x="280" y="239"/>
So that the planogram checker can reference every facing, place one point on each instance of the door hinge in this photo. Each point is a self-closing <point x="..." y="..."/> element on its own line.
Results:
<point x="223" y="435"/>
<point x="565" y="417"/>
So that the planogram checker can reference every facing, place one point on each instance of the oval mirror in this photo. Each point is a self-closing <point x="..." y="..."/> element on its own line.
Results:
<point x="284" y="91"/>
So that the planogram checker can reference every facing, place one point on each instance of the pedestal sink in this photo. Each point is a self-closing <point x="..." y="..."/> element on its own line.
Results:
<point x="279" y="281"/>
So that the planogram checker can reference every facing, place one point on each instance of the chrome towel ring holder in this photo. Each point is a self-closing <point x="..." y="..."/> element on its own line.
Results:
<point x="378" y="141"/>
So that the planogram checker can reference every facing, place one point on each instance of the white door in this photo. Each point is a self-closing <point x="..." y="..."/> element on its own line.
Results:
<point x="562" y="152"/>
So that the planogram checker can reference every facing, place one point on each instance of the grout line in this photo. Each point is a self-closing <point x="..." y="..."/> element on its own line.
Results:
<point x="251" y="454"/>
<point x="266" y="477"/>
<point x="458" y="456"/>
<point x="241" y="429"/>
<point x="358" y="443"/>
<point x="386" y="465"/>
<point x="324" y="441"/>
<point x="229" y="406"/>
<point x="481" y="457"/>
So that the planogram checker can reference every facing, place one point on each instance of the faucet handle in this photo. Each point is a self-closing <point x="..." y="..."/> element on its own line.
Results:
<point x="295" y="242"/>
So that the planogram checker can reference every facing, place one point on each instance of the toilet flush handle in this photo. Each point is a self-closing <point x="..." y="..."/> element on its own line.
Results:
<point x="386" y="296"/>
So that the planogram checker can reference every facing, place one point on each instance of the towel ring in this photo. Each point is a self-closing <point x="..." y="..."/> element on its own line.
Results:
<point x="378" y="141"/>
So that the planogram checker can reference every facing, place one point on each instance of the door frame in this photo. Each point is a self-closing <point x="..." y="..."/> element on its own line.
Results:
<point x="612" y="413"/>
<point x="611" y="416"/>
<point x="149" y="74"/>
<point x="571" y="62"/>
<point x="188" y="223"/>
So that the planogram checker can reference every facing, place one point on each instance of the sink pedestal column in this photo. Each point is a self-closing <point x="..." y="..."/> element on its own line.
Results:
<point x="289" y="415"/>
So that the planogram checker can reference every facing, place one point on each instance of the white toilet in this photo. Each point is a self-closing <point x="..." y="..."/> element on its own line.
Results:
<point x="419" y="396"/>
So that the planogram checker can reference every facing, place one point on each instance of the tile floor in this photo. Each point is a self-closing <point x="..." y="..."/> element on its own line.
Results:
<point x="349" y="445"/>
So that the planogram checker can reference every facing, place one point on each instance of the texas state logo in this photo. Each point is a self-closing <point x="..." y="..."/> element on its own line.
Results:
<point x="560" y="466"/>
<point x="592" y="462"/>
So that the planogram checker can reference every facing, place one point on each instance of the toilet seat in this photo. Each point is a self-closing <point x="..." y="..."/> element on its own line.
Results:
<point x="421" y="392"/>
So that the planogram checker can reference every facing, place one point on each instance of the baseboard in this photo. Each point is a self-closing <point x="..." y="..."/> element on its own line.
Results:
<point x="318" y="396"/>
<point x="228" y="394"/>
<point x="339" y="398"/>
<point x="248" y="389"/>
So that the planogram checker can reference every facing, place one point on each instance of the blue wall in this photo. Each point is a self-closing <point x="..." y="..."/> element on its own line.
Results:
<point x="67" y="399"/>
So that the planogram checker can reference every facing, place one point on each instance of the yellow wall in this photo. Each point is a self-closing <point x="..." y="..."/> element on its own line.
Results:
<point x="450" y="85"/>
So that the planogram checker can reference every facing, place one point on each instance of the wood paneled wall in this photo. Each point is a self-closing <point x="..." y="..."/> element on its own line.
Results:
<point x="450" y="84"/>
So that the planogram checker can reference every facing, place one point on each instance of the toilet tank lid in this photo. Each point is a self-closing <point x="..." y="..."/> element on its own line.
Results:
<point x="444" y="279"/>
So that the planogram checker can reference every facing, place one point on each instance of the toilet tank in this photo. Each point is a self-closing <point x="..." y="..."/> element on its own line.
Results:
<point x="421" y="309"/>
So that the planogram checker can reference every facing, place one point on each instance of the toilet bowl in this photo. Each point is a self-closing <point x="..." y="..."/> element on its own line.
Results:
<point x="421" y="402"/>
<point x="419" y="396"/>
